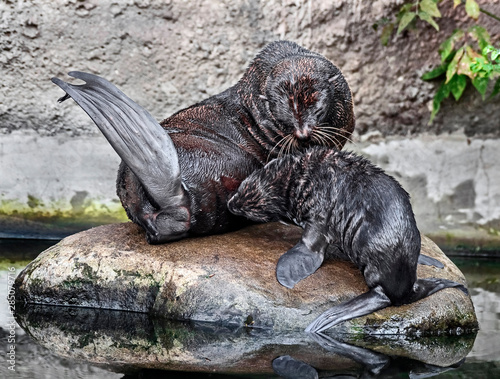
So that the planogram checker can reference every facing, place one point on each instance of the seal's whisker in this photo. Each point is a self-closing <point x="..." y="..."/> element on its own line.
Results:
<point x="336" y="131"/>
<point x="318" y="138"/>
<point x="275" y="146"/>
<point x="292" y="145"/>
<point x="284" y="146"/>
<point x="328" y="137"/>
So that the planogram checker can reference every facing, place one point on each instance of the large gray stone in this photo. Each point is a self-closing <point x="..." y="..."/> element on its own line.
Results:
<point x="226" y="279"/>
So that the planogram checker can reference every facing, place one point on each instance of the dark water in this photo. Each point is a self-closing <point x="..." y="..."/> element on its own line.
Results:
<point x="86" y="343"/>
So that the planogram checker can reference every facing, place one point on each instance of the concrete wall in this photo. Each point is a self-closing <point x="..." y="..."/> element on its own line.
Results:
<point x="169" y="54"/>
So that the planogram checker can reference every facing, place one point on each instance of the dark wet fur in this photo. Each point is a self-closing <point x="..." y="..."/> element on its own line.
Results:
<point x="348" y="205"/>
<point x="288" y="99"/>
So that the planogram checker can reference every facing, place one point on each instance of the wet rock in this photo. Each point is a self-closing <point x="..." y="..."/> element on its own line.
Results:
<point x="225" y="279"/>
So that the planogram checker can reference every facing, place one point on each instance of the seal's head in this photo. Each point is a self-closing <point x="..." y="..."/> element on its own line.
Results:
<point x="259" y="196"/>
<point x="310" y="101"/>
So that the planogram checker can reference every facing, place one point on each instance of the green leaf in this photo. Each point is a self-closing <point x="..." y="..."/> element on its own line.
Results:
<point x="404" y="9"/>
<point x="457" y="86"/>
<point x="481" y="85"/>
<point x="427" y="17"/>
<point x="496" y="88"/>
<point x="430" y="7"/>
<point x="406" y="18"/>
<point x="446" y="48"/>
<point x="453" y="65"/>
<point x="442" y="93"/>
<point x="467" y="61"/>
<point x="478" y="64"/>
<point x="495" y="53"/>
<point x="456" y="3"/>
<point x="480" y="35"/>
<point x="472" y="9"/>
<point x="434" y="73"/>
<point x="386" y="33"/>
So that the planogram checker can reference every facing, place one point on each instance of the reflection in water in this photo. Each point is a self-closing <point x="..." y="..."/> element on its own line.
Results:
<point x="137" y="344"/>
<point x="374" y="364"/>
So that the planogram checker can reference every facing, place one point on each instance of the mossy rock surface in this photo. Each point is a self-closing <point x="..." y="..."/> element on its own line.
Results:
<point x="226" y="279"/>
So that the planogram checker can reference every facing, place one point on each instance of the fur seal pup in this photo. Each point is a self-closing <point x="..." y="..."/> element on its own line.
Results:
<point x="345" y="205"/>
<point x="176" y="177"/>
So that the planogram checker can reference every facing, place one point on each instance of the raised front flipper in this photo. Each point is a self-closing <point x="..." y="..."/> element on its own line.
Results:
<point x="361" y="305"/>
<point x="301" y="260"/>
<point x="141" y="142"/>
<point x="135" y="135"/>
<point x="429" y="261"/>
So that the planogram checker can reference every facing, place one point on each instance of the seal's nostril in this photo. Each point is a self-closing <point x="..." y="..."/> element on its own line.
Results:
<point x="302" y="134"/>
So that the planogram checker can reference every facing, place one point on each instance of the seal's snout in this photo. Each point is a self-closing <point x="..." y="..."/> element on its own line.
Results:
<point x="303" y="134"/>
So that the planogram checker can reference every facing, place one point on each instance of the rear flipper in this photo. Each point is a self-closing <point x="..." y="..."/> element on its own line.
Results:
<point x="361" y="305"/>
<point x="143" y="145"/>
<point x="429" y="261"/>
<point x="426" y="287"/>
<point x="376" y="299"/>
<point x="301" y="260"/>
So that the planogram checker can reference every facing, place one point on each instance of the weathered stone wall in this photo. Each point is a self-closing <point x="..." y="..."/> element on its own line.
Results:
<point x="169" y="54"/>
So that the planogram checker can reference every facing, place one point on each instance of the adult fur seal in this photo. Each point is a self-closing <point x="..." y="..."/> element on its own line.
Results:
<point x="346" y="205"/>
<point x="176" y="177"/>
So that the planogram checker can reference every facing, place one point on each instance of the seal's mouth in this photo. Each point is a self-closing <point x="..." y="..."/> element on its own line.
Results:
<point x="302" y="145"/>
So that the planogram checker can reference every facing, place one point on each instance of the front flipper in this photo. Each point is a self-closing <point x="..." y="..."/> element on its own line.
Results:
<point x="429" y="261"/>
<point x="361" y="305"/>
<point x="303" y="259"/>
<point x="136" y="136"/>
<point x="296" y="264"/>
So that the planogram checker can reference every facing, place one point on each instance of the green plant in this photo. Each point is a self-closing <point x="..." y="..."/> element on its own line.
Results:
<point x="467" y="56"/>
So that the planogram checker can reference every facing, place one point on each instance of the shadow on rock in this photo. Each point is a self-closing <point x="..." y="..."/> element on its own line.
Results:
<point x="137" y="344"/>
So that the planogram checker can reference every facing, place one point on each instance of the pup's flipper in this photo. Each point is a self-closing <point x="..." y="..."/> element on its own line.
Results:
<point x="376" y="299"/>
<point x="361" y="305"/>
<point x="137" y="137"/>
<point x="303" y="259"/>
<point x="429" y="261"/>
<point x="296" y="264"/>
<point x="426" y="287"/>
